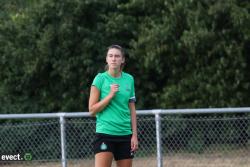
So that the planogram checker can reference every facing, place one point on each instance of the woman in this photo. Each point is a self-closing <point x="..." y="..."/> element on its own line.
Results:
<point x="112" y="101"/>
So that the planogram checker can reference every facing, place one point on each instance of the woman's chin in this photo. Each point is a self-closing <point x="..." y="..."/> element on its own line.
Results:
<point x="114" y="67"/>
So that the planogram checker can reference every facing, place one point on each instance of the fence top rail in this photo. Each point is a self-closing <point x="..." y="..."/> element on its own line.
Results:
<point x="139" y="112"/>
<point x="195" y="111"/>
<point x="44" y="115"/>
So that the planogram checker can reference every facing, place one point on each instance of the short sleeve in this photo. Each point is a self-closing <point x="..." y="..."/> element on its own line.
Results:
<point x="132" y="98"/>
<point x="97" y="82"/>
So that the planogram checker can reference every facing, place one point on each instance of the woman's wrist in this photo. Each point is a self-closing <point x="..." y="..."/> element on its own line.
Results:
<point x="110" y="95"/>
<point x="134" y="133"/>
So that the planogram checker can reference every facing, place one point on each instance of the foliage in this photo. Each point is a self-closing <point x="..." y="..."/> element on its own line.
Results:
<point x="183" y="54"/>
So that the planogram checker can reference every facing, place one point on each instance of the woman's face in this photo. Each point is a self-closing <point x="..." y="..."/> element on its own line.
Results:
<point x="114" y="58"/>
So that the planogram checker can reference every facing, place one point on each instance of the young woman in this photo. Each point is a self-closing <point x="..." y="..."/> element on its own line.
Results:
<point x="112" y="101"/>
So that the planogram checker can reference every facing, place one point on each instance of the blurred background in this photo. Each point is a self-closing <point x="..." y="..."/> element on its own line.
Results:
<point x="183" y="54"/>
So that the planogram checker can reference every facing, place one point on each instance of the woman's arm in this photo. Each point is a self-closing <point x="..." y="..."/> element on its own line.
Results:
<point x="95" y="105"/>
<point x="134" y="140"/>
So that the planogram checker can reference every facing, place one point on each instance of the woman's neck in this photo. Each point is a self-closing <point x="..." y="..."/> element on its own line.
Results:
<point x="114" y="73"/>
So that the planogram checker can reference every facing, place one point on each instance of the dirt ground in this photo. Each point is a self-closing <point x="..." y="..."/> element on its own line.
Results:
<point x="233" y="159"/>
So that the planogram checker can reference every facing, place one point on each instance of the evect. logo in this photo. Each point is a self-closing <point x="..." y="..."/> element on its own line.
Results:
<point x="16" y="157"/>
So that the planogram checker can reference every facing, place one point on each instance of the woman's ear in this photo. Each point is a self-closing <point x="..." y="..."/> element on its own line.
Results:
<point x="123" y="60"/>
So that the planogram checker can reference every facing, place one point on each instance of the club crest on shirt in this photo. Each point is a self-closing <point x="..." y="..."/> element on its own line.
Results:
<point x="103" y="146"/>
<point x="127" y="87"/>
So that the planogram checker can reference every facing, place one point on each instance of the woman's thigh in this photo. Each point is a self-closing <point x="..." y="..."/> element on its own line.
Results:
<point x="124" y="163"/>
<point x="103" y="159"/>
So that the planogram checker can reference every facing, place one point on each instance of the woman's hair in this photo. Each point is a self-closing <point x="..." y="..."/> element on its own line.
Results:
<point x="117" y="47"/>
<point x="123" y="55"/>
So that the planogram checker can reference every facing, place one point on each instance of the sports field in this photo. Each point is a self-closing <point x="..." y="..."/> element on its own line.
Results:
<point x="238" y="158"/>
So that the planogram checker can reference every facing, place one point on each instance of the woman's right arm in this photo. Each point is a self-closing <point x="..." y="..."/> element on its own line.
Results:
<point x="95" y="105"/>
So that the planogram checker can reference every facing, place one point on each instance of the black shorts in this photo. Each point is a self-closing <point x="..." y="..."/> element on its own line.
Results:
<point x="120" y="146"/>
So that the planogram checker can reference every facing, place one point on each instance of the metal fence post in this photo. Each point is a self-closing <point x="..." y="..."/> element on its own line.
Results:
<point x="158" y="139"/>
<point x="63" y="148"/>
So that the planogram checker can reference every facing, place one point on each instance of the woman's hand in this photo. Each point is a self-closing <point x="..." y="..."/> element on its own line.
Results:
<point x="113" y="89"/>
<point x="134" y="142"/>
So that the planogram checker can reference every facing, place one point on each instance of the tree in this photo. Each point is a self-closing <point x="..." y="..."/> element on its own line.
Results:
<point x="182" y="54"/>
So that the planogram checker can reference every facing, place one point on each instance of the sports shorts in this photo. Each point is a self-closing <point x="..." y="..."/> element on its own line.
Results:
<point x="120" y="146"/>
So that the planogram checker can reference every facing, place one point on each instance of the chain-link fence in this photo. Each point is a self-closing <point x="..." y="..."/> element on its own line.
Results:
<point x="209" y="139"/>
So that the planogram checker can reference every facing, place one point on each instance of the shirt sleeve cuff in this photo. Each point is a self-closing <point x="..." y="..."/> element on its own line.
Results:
<point x="132" y="99"/>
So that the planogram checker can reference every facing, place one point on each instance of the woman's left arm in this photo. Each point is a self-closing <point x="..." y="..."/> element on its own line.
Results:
<point x="134" y="139"/>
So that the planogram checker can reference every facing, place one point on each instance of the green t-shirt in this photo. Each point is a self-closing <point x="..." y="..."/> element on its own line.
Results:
<point x="115" y="119"/>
